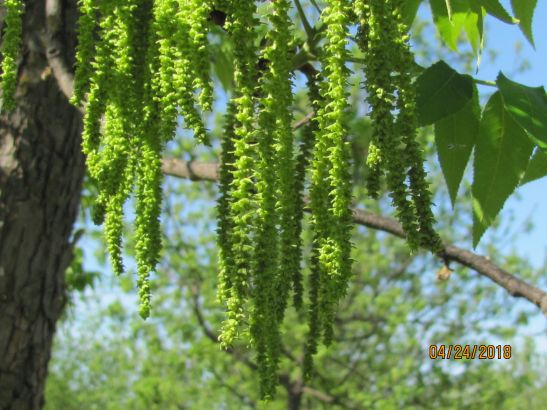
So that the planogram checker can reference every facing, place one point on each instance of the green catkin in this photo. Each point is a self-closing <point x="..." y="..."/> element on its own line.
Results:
<point x="189" y="57"/>
<point x="225" y="221"/>
<point x="198" y="14"/>
<point x="302" y="162"/>
<point x="375" y="170"/>
<point x="149" y="177"/>
<point x="314" y="325"/>
<point x="331" y="188"/>
<point x="377" y="37"/>
<point x="149" y="143"/>
<point x="131" y="111"/>
<point x="164" y="84"/>
<point x="319" y="225"/>
<point x="10" y="51"/>
<point x="100" y="83"/>
<point x="181" y="61"/>
<point x="272" y="274"/>
<point x="85" y="50"/>
<point x="97" y="148"/>
<point x="373" y="162"/>
<point x="113" y="175"/>
<point x="263" y="320"/>
<point x="142" y="63"/>
<point x="241" y="28"/>
<point x="407" y="125"/>
<point x="318" y="203"/>
<point x="336" y="247"/>
<point x="116" y="172"/>
<point x="279" y="77"/>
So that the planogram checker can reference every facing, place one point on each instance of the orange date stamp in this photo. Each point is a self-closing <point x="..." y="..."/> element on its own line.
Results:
<point x="460" y="352"/>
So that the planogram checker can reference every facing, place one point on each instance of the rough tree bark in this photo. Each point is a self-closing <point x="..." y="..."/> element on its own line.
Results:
<point x="41" y="171"/>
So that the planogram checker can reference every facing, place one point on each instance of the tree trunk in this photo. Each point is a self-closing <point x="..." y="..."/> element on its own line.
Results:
<point x="41" y="170"/>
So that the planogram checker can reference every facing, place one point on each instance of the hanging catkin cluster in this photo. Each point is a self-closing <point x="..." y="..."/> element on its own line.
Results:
<point x="394" y="150"/>
<point x="258" y="222"/>
<point x="140" y="64"/>
<point x="143" y="63"/>
<point x="330" y="189"/>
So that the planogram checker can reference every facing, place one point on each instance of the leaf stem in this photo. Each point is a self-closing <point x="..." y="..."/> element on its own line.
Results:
<point x="310" y="32"/>
<point x="485" y="82"/>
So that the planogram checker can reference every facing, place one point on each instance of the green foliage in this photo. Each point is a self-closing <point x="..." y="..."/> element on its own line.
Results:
<point x="455" y="137"/>
<point x="528" y="106"/>
<point x="442" y="91"/>
<point x="409" y="9"/>
<point x="494" y="8"/>
<point x="525" y="105"/>
<point x="502" y="154"/>
<point x="537" y="168"/>
<point x="524" y="12"/>
<point x="454" y="16"/>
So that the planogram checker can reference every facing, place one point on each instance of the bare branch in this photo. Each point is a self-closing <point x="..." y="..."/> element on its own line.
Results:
<point x="195" y="171"/>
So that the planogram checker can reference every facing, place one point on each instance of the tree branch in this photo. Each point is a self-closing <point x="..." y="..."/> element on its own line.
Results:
<point x="55" y="49"/>
<point x="512" y="284"/>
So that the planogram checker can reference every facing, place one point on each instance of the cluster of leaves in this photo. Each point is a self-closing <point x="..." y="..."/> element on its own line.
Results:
<point x="508" y="134"/>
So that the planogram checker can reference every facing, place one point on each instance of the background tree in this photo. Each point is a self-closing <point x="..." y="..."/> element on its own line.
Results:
<point x="112" y="94"/>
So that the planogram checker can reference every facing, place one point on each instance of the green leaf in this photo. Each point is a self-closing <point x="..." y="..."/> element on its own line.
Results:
<point x="455" y="16"/>
<point x="455" y="137"/>
<point x="473" y="24"/>
<point x="222" y="56"/>
<point x="524" y="11"/>
<point x="528" y="106"/>
<point x="502" y="154"/>
<point x="442" y="91"/>
<point x="449" y="9"/>
<point x="494" y="8"/>
<point x="409" y="9"/>
<point x="537" y="168"/>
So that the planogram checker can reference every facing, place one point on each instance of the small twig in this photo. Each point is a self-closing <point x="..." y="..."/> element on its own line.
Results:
<point x="314" y="3"/>
<point x="304" y="121"/>
<point x="485" y="82"/>
<point x="310" y="32"/>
